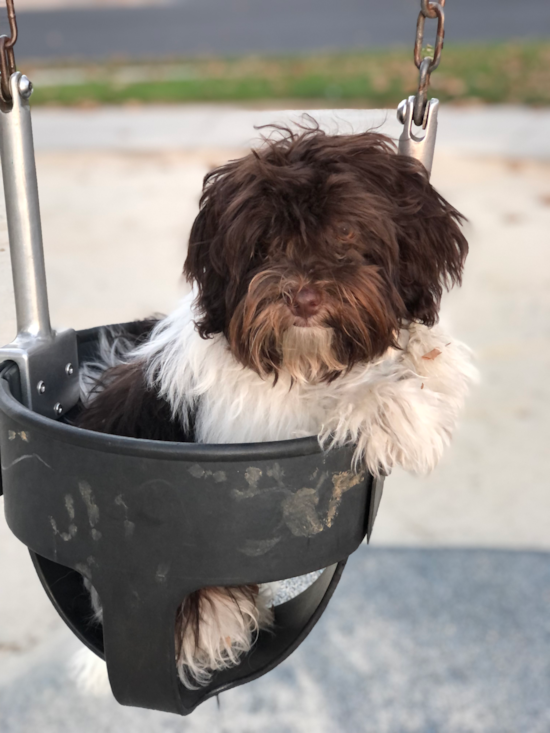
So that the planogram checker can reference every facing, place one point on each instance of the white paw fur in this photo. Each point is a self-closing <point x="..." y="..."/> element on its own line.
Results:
<point x="229" y="622"/>
<point x="407" y="416"/>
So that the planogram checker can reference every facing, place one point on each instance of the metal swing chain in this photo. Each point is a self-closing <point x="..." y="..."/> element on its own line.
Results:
<point x="427" y="64"/>
<point x="7" y="57"/>
<point x="47" y="360"/>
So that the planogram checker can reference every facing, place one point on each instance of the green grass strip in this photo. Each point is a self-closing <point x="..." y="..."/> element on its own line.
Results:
<point x="511" y="73"/>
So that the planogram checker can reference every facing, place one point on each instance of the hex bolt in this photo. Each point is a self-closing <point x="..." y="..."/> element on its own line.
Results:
<point x="41" y="387"/>
<point x="58" y="408"/>
<point x="25" y="87"/>
<point x="69" y="370"/>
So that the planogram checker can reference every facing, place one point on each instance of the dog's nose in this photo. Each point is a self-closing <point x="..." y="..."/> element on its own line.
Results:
<point x="306" y="302"/>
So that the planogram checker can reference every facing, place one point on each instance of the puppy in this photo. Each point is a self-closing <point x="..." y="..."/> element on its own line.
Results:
<point x="317" y="266"/>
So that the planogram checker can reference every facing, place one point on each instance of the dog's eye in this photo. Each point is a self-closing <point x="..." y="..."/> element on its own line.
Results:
<point x="345" y="231"/>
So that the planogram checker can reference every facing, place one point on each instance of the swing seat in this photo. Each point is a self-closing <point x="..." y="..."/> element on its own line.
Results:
<point x="149" y="522"/>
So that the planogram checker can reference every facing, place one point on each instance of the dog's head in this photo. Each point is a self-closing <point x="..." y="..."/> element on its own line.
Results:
<point x="311" y="252"/>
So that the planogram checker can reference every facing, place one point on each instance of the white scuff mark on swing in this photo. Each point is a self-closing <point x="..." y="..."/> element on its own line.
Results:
<point x="119" y="501"/>
<point x="300" y="510"/>
<point x="256" y="548"/>
<point x="96" y="534"/>
<point x="321" y="480"/>
<point x="89" y="500"/>
<point x="65" y="536"/>
<point x="300" y="513"/>
<point x="197" y="471"/>
<point x="252" y="476"/>
<point x="84" y="570"/>
<point x="162" y="572"/>
<point x="129" y="526"/>
<point x="314" y="474"/>
<point x="342" y="482"/>
<point x="277" y="473"/>
<point x="69" y="505"/>
<point x="12" y="435"/>
<point x="24" y="458"/>
<point x="200" y="472"/>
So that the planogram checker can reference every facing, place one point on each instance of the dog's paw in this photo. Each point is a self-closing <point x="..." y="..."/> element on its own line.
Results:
<point x="413" y="435"/>
<point x="215" y="627"/>
<point x="399" y="422"/>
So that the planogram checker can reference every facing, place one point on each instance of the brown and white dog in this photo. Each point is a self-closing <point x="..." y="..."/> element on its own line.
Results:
<point x="317" y="264"/>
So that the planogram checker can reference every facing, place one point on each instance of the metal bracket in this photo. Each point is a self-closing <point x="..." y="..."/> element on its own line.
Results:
<point x="48" y="369"/>
<point x="47" y="361"/>
<point x="410" y="143"/>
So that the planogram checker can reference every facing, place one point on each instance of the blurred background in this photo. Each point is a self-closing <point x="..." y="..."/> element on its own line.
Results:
<point x="443" y="623"/>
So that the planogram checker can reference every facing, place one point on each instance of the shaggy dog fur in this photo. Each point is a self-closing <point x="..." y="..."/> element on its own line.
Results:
<point x="317" y="264"/>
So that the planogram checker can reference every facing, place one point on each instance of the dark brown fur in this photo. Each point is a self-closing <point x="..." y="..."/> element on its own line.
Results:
<point x="344" y="214"/>
<point x="124" y="404"/>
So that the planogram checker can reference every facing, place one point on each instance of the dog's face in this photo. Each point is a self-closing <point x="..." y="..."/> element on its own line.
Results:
<point x="311" y="252"/>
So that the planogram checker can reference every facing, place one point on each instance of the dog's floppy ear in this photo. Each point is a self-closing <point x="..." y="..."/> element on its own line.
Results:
<point x="432" y="247"/>
<point x="424" y="226"/>
<point x="221" y="243"/>
<point x="200" y="266"/>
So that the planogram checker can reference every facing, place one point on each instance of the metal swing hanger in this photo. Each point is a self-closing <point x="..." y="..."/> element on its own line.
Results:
<point x="417" y="110"/>
<point x="47" y="359"/>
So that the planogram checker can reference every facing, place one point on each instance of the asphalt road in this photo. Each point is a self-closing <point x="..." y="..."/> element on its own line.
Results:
<point x="195" y="27"/>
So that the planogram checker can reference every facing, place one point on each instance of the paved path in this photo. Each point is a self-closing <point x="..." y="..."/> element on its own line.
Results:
<point x="193" y="27"/>
<point x="442" y="625"/>
<point x="511" y="132"/>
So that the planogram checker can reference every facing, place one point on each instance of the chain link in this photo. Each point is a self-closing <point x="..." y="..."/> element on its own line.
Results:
<point x="427" y="10"/>
<point x="7" y="57"/>
<point x="427" y="64"/>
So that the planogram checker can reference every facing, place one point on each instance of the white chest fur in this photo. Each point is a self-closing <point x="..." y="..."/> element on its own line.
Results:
<point x="400" y="408"/>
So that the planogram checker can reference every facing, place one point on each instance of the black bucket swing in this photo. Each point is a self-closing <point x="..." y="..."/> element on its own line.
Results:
<point x="136" y="517"/>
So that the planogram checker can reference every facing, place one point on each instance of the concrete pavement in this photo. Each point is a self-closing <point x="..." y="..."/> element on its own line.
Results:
<point x="481" y="131"/>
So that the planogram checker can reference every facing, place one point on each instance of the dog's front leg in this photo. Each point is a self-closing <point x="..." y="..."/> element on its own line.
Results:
<point x="407" y="416"/>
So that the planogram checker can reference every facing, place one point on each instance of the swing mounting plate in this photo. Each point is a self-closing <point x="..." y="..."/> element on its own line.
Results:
<point x="48" y="370"/>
